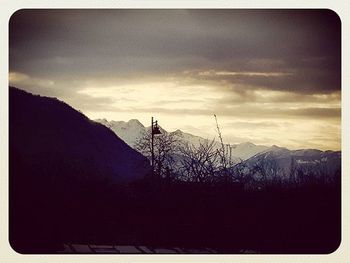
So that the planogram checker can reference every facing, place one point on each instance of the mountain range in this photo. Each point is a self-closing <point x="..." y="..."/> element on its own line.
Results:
<point x="275" y="160"/>
<point x="133" y="129"/>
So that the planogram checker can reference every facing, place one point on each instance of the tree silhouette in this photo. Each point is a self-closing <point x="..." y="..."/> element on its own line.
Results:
<point x="165" y="150"/>
<point x="199" y="164"/>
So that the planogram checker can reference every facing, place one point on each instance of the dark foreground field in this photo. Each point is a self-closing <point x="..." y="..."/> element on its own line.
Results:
<point x="154" y="213"/>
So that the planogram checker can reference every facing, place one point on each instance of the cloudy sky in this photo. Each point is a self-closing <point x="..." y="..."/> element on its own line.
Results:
<point x="271" y="76"/>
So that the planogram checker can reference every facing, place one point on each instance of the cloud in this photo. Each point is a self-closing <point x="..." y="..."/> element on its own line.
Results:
<point x="271" y="50"/>
<point x="302" y="81"/>
<point x="243" y="73"/>
<point x="87" y="103"/>
<point x="42" y="86"/>
<point x="17" y="78"/>
<point x="249" y="112"/>
<point x="253" y="125"/>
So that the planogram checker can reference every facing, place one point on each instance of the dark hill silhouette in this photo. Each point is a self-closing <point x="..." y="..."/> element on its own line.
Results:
<point x="59" y="157"/>
<point x="49" y="134"/>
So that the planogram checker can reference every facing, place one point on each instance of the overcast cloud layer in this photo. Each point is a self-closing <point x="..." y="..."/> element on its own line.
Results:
<point x="271" y="76"/>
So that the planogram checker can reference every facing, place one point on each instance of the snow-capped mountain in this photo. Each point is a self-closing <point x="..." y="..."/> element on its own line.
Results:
<point x="188" y="138"/>
<point x="133" y="129"/>
<point x="296" y="165"/>
<point x="129" y="131"/>
<point x="246" y="150"/>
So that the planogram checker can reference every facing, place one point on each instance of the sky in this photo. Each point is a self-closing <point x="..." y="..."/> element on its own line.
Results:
<point x="272" y="77"/>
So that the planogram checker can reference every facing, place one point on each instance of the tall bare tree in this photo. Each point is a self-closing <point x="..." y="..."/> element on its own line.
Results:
<point x="225" y="158"/>
<point x="199" y="163"/>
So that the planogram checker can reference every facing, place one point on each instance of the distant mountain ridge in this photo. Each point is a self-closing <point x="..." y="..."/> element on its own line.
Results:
<point x="133" y="129"/>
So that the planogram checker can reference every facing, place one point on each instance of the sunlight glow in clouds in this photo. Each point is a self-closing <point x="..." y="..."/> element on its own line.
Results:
<point x="264" y="120"/>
